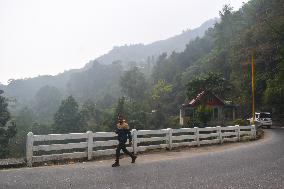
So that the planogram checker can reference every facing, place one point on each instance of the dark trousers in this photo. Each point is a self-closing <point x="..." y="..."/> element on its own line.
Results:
<point x="122" y="146"/>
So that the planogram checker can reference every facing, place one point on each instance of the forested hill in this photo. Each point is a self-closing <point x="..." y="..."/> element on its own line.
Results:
<point x="72" y="81"/>
<point x="226" y="50"/>
<point x="141" y="52"/>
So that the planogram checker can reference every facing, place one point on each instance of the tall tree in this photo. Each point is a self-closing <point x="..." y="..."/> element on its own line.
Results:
<point x="133" y="84"/>
<point x="120" y="110"/>
<point x="160" y="89"/>
<point x="25" y="120"/>
<point x="211" y="82"/>
<point x="68" y="119"/>
<point x="46" y="102"/>
<point x="7" y="129"/>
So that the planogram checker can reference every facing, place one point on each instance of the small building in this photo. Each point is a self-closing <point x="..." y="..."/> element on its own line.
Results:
<point x="221" y="110"/>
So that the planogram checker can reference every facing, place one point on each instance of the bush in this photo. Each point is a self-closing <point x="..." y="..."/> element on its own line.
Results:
<point x="173" y="122"/>
<point x="241" y="122"/>
<point x="193" y="122"/>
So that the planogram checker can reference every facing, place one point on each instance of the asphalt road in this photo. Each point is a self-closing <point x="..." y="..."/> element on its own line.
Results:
<point x="257" y="164"/>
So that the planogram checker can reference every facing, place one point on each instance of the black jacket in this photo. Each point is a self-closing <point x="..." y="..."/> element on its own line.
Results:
<point x="123" y="135"/>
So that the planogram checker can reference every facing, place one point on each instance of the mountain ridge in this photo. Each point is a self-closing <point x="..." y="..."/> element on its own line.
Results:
<point x="140" y="52"/>
<point x="25" y="89"/>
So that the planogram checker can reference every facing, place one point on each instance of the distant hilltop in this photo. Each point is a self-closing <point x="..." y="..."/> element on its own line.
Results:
<point x="140" y="52"/>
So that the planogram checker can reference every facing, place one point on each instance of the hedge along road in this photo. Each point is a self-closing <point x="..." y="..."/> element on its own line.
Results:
<point x="256" y="164"/>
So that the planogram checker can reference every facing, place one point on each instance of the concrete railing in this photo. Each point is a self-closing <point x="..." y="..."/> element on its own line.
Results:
<point x="90" y="145"/>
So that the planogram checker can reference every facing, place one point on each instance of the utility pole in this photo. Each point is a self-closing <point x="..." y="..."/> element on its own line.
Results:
<point x="252" y="84"/>
<point x="247" y="109"/>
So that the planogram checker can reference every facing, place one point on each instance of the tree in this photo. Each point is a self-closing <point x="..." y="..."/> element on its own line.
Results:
<point x="120" y="110"/>
<point x="203" y="114"/>
<point x="91" y="116"/>
<point x="160" y="89"/>
<point x="133" y="84"/>
<point x="25" y="122"/>
<point x="211" y="82"/>
<point x="7" y="127"/>
<point x="159" y="93"/>
<point x="106" y="101"/>
<point x="158" y="120"/>
<point x="95" y="82"/>
<point x="46" y="102"/>
<point x="68" y="119"/>
<point x="274" y="96"/>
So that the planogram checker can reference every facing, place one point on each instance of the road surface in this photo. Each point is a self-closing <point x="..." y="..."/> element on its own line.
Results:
<point x="257" y="164"/>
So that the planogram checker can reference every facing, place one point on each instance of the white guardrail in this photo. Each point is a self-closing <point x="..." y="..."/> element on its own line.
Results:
<point x="40" y="148"/>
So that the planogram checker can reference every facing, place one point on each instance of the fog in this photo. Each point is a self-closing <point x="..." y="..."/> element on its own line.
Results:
<point x="47" y="37"/>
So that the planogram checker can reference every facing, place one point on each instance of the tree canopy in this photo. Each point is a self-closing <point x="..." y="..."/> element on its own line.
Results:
<point x="68" y="119"/>
<point x="7" y="129"/>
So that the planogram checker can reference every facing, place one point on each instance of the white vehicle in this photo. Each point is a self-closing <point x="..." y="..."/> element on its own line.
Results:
<point x="262" y="119"/>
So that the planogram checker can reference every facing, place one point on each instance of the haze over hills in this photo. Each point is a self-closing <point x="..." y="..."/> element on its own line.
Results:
<point x="140" y="52"/>
<point x="98" y="76"/>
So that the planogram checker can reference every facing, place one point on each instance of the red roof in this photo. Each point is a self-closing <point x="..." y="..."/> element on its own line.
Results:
<point x="195" y="101"/>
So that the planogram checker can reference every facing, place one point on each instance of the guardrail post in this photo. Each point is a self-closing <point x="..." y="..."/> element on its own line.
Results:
<point x="134" y="140"/>
<point x="253" y="132"/>
<point x="219" y="134"/>
<point x="238" y="132"/>
<point x="197" y="136"/>
<point x="90" y="144"/>
<point x="169" y="136"/>
<point x="29" y="149"/>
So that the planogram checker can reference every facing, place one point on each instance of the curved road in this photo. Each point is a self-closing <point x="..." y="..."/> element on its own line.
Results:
<point x="257" y="164"/>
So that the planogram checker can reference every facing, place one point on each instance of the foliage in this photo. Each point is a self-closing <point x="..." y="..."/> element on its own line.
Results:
<point x="7" y="127"/>
<point x="192" y="122"/>
<point x="211" y="82"/>
<point x="68" y="119"/>
<point x="46" y="102"/>
<point x="158" y="120"/>
<point x="99" y="116"/>
<point x="95" y="82"/>
<point x="225" y="52"/>
<point x="106" y="101"/>
<point x="133" y="84"/>
<point x="173" y="122"/>
<point x="274" y="95"/>
<point x="26" y="122"/>
<point x="160" y="89"/>
<point x="203" y="114"/>
<point x="120" y="110"/>
<point x="241" y="122"/>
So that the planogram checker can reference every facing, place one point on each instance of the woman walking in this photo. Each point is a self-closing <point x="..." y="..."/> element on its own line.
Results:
<point x="123" y="133"/>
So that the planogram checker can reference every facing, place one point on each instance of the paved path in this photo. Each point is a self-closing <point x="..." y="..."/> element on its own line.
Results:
<point x="257" y="164"/>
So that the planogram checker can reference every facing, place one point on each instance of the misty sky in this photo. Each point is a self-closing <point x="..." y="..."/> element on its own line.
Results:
<point x="39" y="37"/>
